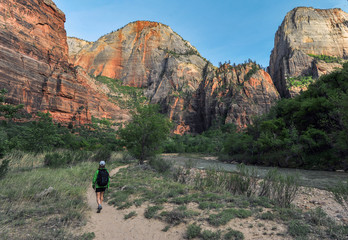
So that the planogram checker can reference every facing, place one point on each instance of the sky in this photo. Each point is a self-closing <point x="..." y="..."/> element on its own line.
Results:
<point x="221" y="30"/>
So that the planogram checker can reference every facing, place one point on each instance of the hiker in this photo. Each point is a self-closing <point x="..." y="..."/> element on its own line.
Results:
<point x="100" y="183"/>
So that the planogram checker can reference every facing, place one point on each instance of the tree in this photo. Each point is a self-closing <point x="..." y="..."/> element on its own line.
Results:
<point x="9" y="111"/>
<point x="146" y="132"/>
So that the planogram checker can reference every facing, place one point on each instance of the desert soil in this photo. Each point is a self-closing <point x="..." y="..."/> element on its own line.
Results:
<point x="110" y="223"/>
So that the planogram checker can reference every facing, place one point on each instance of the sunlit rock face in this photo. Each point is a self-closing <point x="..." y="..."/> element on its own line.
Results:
<point x="151" y="56"/>
<point x="35" y="69"/>
<point x="307" y="31"/>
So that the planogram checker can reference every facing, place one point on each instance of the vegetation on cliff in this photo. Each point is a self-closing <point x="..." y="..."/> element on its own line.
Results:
<point x="308" y="131"/>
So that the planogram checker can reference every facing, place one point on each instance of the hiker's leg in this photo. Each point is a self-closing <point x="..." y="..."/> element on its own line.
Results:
<point x="99" y="198"/>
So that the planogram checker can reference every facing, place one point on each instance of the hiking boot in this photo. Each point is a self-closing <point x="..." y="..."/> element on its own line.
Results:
<point x="99" y="208"/>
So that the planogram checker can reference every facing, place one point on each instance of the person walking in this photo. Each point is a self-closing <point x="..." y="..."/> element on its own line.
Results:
<point x="100" y="183"/>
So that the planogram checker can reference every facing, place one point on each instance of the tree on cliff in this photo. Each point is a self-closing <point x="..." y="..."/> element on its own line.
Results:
<point x="9" y="111"/>
<point x="146" y="132"/>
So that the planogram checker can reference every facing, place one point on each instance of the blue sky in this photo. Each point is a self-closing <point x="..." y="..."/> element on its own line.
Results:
<point x="221" y="30"/>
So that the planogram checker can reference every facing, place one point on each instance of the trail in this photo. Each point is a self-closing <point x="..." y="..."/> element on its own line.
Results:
<point x="110" y="223"/>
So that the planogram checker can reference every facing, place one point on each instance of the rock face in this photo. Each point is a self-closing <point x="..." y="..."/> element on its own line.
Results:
<point x="35" y="69"/>
<point x="188" y="88"/>
<point x="236" y="94"/>
<point x="307" y="31"/>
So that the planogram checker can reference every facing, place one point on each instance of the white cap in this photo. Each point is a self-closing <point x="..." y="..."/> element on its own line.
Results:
<point x="102" y="163"/>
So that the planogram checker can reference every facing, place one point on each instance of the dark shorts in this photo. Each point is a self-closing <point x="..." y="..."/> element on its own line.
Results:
<point x="100" y="189"/>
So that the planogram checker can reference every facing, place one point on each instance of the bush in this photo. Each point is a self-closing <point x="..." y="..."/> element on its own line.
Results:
<point x="102" y="155"/>
<point x="150" y="212"/>
<point x="281" y="189"/>
<point x="56" y="160"/>
<point x="61" y="159"/>
<point x="233" y="235"/>
<point x="159" y="164"/>
<point x="298" y="229"/>
<point x="209" y="235"/>
<point x="225" y="216"/>
<point x="340" y="193"/>
<point x="4" y="167"/>
<point x="193" y="231"/>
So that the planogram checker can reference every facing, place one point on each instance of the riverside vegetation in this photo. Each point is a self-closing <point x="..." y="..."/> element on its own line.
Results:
<point x="311" y="131"/>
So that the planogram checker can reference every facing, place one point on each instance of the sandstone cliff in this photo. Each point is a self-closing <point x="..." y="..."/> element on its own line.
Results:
<point x="309" y="42"/>
<point x="147" y="55"/>
<point x="236" y="95"/>
<point x="35" y="69"/>
<point x="188" y="88"/>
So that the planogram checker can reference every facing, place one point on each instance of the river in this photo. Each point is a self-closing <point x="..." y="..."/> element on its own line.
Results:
<point x="308" y="178"/>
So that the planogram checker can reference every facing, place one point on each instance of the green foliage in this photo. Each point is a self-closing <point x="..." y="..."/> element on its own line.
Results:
<point x="298" y="229"/>
<point x="130" y="215"/>
<point x="309" y="131"/>
<point x="340" y="193"/>
<point x="210" y="235"/>
<point x="210" y="141"/>
<point x="282" y="189"/>
<point x="52" y="215"/>
<point x="326" y="58"/>
<point x="151" y="211"/>
<point x="4" y="167"/>
<point x="233" y="235"/>
<point x="125" y="96"/>
<point x="9" y="111"/>
<point x="63" y="159"/>
<point x="159" y="164"/>
<point x="145" y="133"/>
<point x="193" y="231"/>
<point x="42" y="134"/>
<point x="225" y="216"/>
<point x="251" y="72"/>
<point x="102" y="154"/>
<point x="300" y="81"/>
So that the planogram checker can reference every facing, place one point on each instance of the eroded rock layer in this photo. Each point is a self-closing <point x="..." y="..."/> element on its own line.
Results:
<point x="236" y="95"/>
<point x="35" y="69"/>
<point x="151" y="56"/>
<point x="304" y="34"/>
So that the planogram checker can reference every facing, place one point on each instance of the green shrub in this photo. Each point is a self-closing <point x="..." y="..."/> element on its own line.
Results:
<point x="282" y="189"/>
<point x="150" y="212"/>
<point x="193" y="231"/>
<point x="225" y="216"/>
<point x="159" y="164"/>
<point x="210" y="235"/>
<point x="317" y="217"/>
<point x="130" y="215"/>
<point x="267" y="216"/>
<point x="233" y="235"/>
<point x="298" y="229"/>
<point x="326" y="58"/>
<point x="4" y="167"/>
<point x="102" y="155"/>
<point x="56" y="160"/>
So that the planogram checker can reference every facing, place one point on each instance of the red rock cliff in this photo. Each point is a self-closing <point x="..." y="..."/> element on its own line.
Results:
<point x="34" y="65"/>
<point x="152" y="56"/>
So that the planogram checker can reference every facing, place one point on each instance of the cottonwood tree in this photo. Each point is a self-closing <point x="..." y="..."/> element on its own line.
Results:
<point x="145" y="133"/>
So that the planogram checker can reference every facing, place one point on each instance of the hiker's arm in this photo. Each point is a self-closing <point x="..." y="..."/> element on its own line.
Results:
<point x="95" y="179"/>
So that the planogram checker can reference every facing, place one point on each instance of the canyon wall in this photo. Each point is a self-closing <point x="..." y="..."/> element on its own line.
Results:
<point x="304" y="39"/>
<point x="35" y="69"/>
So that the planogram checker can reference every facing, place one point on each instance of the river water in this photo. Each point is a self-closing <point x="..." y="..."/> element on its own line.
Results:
<point x="309" y="178"/>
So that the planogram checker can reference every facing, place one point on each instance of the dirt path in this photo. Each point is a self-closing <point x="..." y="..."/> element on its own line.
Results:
<point x="110" y="223"/>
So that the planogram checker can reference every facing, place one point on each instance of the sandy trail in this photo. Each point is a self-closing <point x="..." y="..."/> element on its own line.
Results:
<point x="110" y="223"/>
